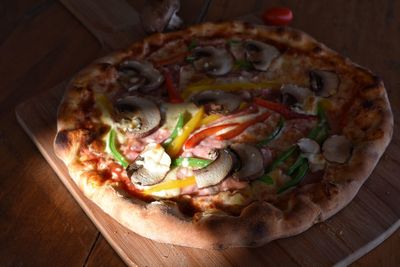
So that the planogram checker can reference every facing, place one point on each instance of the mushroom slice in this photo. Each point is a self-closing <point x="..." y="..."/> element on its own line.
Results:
<point x="217" y="101"/>
<point x="158" y="15"/>
<point x="293" y="94"/>
<point x="251" y="159"/>
<point x="215" y="172"/>
<point x="324" y="83"/>
<point x="308" y="146"/>
<point x="337" y="148"/>
<point x="137" y="116"/>
<point x="311" y="150"/>
<point x="134" y="75"/>
<point x="212" y="60"/>
<point x="260" y="54"/>
<point x="150" y="167"/>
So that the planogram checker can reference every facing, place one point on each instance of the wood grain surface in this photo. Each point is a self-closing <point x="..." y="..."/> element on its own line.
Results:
<point x="42" y="44"/>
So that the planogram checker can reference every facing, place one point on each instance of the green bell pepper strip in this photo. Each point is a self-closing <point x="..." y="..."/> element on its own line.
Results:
<point x="266" y="178"/>
<point x="299" y="161"/>
<point x="320" y="132"/>
<point x="175" y="132"/>
<point x="281" y="158"/>
<point x="300" y="173"/>
<point x="274" y="134"/>
<point x="192" y="162"/>
<point x="112" y="149"/>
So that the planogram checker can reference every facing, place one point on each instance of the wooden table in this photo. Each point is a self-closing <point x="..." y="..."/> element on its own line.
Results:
<point x="44" y="42"/>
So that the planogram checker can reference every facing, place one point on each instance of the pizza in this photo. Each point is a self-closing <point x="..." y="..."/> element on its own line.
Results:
<point x="223" y="135"/>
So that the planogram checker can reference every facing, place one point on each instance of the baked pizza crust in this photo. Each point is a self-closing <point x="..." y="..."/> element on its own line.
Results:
<point x="261" y="221"/>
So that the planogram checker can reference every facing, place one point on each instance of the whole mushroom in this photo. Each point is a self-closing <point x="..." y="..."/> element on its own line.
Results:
<point x="137" y="116"/>
<point x="212" y="60"/>
<point x="260" y="54"/>
<point x="139" y="75"/>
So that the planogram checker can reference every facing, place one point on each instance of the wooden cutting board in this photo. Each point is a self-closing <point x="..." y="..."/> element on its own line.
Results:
<point x="371" y="217"/>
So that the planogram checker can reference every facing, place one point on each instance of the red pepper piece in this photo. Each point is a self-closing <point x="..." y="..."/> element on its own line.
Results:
<point x="174" y="96"/>
<point x="172" y="60"/>
<point x="239" y="129"/>
<point x="282" y="109"/>
<point x="278" y="16"/>
<point x="203" y="134"/>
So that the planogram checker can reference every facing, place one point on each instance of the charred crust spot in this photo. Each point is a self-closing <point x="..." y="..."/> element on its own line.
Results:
<point x="376" y="82"/>
<point x="280" y="30"/>
<point x="295" y="36"/>
<point x="103" y="66"/>
<point x="62" y="140"/>
<point x="257" y="230"/>
<point x="367" y="104"/>
<point x="317" y="49"/>
<point x="330" y="190"/>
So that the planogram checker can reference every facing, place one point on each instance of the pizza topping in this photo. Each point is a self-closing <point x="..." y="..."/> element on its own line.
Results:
<point x="177" y="129"/>
<point x="203" y="134"/>
<point x="298" y="173"/>
<point x="139" y="75"/>
<point x="324" y="83"/>
<point x="112" y="149"/>
<point x="281" y="109"/>
<point x="216" y="101"/>
<point x="214" y="61"/>
<point x="191" y="162"/>
<point x="137" y="116"/>
<point x="337" y="148"/>
<point x="293" y="94"/>
<point x="274" y="134"/>
<point x="211" y="84"/>
<point x="150" y="167"/>
<point x="260" y="54"/>
<point x="308" y="146"/>
<point x="159" y="15"/>
<point x="251" y="162"/>
<point x="173" y="94"/>
<point x="176" y="145"/>
<point x="217" y="171"/>
<point x="171" y="184"/>
<point x="311" y="151"/>
<point x="243" y="126"/>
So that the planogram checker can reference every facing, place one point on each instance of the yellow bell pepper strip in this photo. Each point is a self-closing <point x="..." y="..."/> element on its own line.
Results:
<point x="242" y="127"/>
<point x="171" y="184"/>
<point x="203" y="134"/>
<point x="112" y="149"/>
<point x="209" y="119"/>
<point x="175" y="132"/>
<point x="198" y="87"/>
<point x="281" y="109"/>
<point x="176" y="145"/>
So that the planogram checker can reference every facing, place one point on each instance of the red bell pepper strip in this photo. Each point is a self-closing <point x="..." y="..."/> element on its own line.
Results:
<point x="172" y="60"/>
<point x="173" y="94"/>
<point x="282" y="109"/>
<point x="239" y="129"/>
<point x="203" y="134"/>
